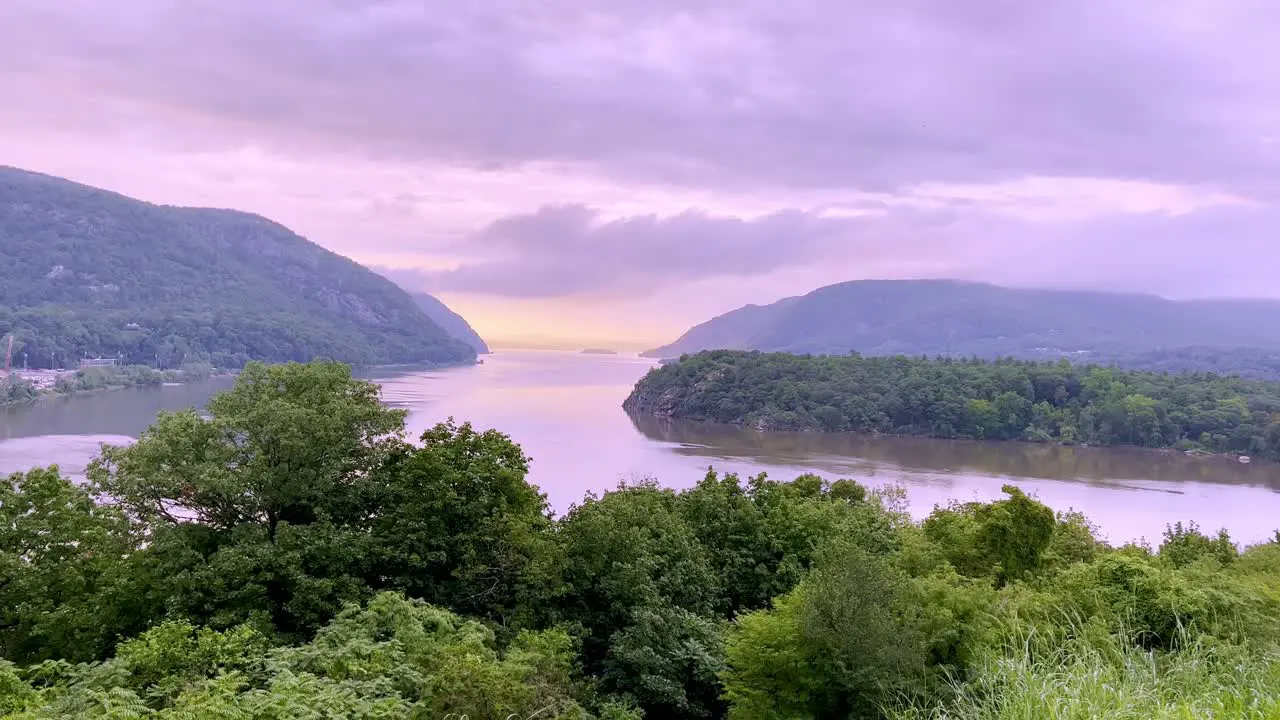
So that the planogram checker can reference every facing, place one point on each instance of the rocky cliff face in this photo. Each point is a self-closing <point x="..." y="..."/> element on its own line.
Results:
<point x="661" y="391"/>
<point x="646" y="399"/>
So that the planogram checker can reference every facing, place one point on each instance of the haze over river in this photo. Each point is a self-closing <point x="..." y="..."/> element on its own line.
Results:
<point x="565" y="410"/>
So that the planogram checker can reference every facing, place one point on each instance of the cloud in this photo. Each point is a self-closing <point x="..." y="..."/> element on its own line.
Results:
<point x="867" y="94"/>
<point x="572" y="251"/>
<point x="688" y="155"/>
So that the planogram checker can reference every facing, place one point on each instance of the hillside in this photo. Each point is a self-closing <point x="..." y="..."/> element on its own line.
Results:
<point x="84" y="271"/>
<point x="450" y="321"/>
<point x="946" y="317"/>
<point x="1000" y="400"/>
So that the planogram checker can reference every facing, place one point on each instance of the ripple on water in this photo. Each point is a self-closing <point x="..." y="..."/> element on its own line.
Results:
<point x="73" y="452"/>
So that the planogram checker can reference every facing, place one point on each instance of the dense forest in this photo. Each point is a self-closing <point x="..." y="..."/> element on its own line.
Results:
<point x="950" y="398"/>
<point x="89" y="273"/>
<point x="289" y="554"/>
<point x="962" y="319"/>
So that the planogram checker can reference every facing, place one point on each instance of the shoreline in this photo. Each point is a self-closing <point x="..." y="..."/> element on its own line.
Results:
<point x="50" y="393"/>
<point x="1193" y="453"/>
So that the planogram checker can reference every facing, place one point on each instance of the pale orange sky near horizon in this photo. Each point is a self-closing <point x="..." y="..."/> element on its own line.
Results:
<point x="614" y="174"/>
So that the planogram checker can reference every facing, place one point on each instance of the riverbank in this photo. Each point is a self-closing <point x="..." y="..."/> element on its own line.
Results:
<point x="29" y="386"/>
<point x="553" y="402"/>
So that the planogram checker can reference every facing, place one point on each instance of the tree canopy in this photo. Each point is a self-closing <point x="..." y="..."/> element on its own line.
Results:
<point x="950" y="398"/>
<point x="289" y="553"/>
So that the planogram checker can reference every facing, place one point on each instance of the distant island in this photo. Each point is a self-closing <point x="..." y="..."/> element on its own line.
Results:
<point x="90" y="273"/>
<point x="964" y="319"/>
<point x="598" y="351"/>
<point x="947" y="398"/>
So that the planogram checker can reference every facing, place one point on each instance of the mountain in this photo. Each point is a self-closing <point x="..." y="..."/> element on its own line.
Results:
<point x="89" y="272"/>
<point x="933" y="317"/>
<point x="450" y="321"/>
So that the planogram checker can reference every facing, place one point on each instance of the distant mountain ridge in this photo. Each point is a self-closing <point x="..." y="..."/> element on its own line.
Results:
<point x="452" y="323"/>
<point x="85" y="271"/>
<point x="950" y="317"/>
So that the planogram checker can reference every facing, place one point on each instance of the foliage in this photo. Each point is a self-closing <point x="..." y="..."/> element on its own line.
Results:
<point x="15" y="390"/>
<point x="1008" y="536"/>
<point x="66" y="582"/>
<point x="1037" y="677"/>
<point x="838" y="646"/>
<point x="1185" y="545"/>
<point x="100" y="378"/>
<point x="394" y="659"/>
<point x="1002" y="400"/>
<point x="289" y="443"/>
<point x="89" y="273"/>
<point x="460" y="526"/>
<point x="288" y="553"/>
<point x="295" y="494"/>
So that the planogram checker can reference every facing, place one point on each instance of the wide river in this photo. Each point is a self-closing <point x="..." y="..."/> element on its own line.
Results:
<point x="565" y="410"/>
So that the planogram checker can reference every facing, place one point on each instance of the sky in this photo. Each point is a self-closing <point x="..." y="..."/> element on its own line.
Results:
<point x="617" y="171"/>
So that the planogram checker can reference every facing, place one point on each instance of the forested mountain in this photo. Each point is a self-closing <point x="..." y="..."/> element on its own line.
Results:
<point x="450" y="321"/>
<point x="956" y="398"/>
<point x="84" y="271"/>
<point x="947" y="317"/>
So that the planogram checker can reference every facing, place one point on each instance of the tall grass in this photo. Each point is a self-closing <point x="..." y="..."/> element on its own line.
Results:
<point x="1043" y="678"/>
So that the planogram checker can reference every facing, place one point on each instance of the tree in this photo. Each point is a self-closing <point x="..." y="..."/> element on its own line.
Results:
<point x="631" y="558"/>
<point x="839" y="645"/>
<point x="459" y="526"/>
<point x="1015" y="532"/>
<point x="67" y="580"/>
<point x="1184" y="545"/>
<point x="668" y="661"/>
<point x="259" y="510"/>
<point x="288" y="444"/>
<point x="1008" y="538"/>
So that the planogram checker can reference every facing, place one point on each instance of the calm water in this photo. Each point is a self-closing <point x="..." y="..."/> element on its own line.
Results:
<point x="565" y="409"/>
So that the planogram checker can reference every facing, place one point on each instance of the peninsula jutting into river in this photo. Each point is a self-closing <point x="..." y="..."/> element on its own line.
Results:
<point x="954" y="398"/>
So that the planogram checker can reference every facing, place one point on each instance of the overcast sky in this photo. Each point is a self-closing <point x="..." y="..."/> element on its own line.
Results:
<point x="623" y="169"/>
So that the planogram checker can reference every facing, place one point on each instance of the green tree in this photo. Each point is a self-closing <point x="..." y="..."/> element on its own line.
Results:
<point x="631" y="558"/>
<point x="841" y="645"/>
<point x="1184" y="545"/>
<point x="288" y="444"/>
<point x="68" y="585"/>
<point x="1007" y="538"/>
<point x="459" y="526"/>
<point x="257" y="510"/>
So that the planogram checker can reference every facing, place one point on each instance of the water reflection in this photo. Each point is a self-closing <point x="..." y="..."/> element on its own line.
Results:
<point x="110" y="412"/>
<point x="866" y="454"/>
<point x="564" y="409"/>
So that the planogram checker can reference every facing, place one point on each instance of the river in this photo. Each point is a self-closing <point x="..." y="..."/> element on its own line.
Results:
<point x="565" y="410"/>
